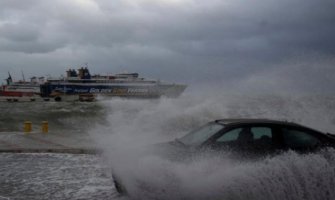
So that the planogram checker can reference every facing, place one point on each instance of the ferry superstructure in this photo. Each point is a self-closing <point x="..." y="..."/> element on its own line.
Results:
<point x="128" y="85"/>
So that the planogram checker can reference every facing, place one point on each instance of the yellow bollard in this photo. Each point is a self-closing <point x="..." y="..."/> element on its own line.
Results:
<point x="27" y="126"/>
<point x="45" y="127"/>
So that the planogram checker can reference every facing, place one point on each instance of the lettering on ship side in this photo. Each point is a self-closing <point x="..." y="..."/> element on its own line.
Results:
<point x="80" y="90"/>
<point x="138" y="90"/>
<point x="94" y="90"/>
<point x="109" y="90"/>
<point x="106" y="90"/>
<point x="119" y="91"/>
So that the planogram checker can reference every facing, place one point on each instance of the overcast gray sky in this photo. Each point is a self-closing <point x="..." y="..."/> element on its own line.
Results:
<point x="258" y="44"/>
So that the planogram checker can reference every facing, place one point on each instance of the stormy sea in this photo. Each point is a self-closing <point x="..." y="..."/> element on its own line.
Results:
<point x="119" y="126"/>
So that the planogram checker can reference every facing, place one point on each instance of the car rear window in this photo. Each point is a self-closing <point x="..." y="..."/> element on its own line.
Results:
<point x="299" y="139"/>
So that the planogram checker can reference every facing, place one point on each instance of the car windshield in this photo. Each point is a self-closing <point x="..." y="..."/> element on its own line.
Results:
<point x="199" y="136"/>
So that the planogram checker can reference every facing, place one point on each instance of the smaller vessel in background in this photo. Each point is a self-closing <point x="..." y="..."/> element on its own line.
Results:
<point x="12" y="91"/>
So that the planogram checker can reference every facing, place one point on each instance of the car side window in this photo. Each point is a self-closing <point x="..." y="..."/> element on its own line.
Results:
<point x="256" y="137"/>
<point x="230" y="136"/>
<point x="262" y="138"/>
<point x="299" y="139"/>
<point x="261" y="132"/>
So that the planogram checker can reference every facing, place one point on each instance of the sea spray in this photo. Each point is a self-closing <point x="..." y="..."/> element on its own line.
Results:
<point x="132" y="124"/>
<point x="285" y="176"/>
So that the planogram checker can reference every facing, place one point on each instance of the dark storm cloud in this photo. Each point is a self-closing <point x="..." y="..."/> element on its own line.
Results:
<point x="183" y="40"/>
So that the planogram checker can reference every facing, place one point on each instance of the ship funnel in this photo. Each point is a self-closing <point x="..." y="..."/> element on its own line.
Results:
<point x="81" y="73"/>
<point x="87" y="74"/>
<point x="68" y="73"/>
<point x="71" y="73"/>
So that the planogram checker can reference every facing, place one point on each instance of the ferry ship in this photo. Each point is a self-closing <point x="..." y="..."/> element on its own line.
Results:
<point x="128" y="85"/>
<point x="14" y="90"/>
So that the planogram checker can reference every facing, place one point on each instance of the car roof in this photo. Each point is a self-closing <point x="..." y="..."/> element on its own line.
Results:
<point x="233" y="121"/>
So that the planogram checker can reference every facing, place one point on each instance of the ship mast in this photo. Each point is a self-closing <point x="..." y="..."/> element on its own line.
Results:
<point x="24" y="80"/>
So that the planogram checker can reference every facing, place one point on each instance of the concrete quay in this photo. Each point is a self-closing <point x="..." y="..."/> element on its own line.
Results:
<point x="36" y="142"/>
